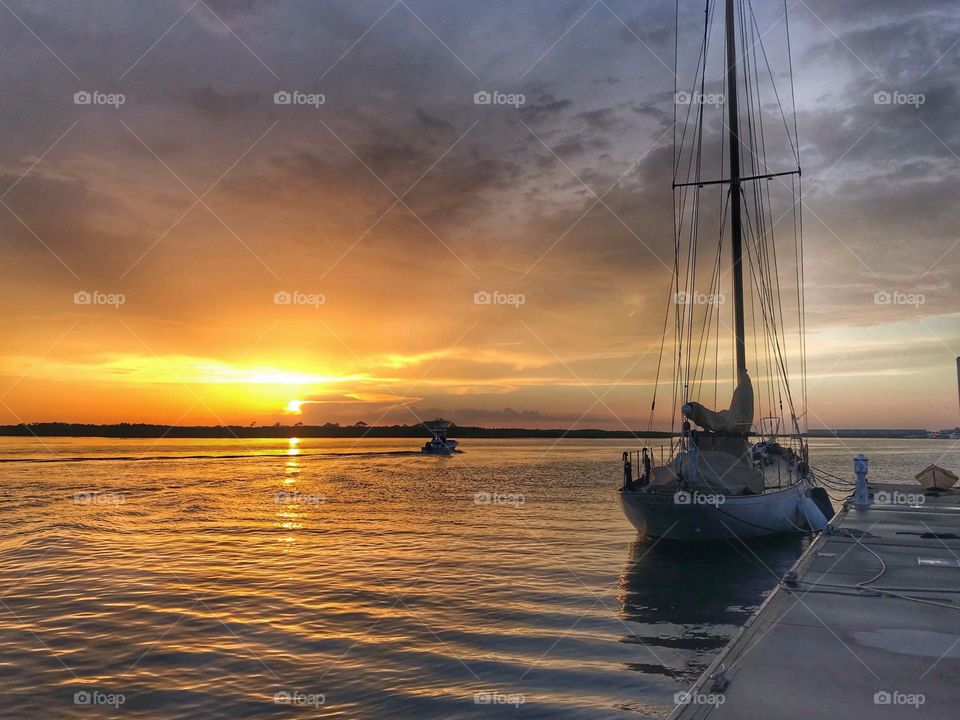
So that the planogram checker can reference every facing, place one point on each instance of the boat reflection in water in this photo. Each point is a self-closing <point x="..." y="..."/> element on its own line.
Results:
<point x="688" y="600"/>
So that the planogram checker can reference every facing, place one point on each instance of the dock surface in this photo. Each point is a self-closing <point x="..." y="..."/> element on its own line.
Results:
<point x="813" y="651"/>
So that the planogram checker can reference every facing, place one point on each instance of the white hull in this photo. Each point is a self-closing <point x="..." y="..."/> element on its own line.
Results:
<point x="936" y="478"/>
<point x="659" y="515"/>
<point x="448" y="447"/>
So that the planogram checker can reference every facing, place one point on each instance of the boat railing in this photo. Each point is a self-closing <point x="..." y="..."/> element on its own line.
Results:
<point x="633" y="467"/>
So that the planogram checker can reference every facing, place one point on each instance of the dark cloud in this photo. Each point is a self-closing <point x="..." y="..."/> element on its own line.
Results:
<point x="222" y="105"/>
<point x="433" y="124"/>
<point x="232" y="8"/>
<point x="543" y="107"/>
<point x="601" y="119"/>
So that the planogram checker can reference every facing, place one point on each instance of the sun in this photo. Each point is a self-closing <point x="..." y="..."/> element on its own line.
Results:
<point x="294" y="407"/>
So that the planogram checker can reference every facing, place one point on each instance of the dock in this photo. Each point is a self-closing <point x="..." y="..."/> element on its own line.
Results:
<point x="823" y="647"/>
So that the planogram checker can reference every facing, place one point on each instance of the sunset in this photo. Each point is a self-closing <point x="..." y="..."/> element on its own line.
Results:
<point x="378" y="214"/>
<point x="300" y="295"/>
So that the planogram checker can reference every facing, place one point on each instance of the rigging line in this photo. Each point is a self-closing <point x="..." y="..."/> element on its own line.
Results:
<point x="803" y="303"/>
<point x="750" y="93"/>
<point x="716" y="348"/>
<point x="712" y="300"/>
<point x="762" y="271"/>
<point x="663" y="336"/>
<point x="756" y="282"/>
<point x="760" y="193"/>
<point x="690" y="276"/>
<point x="678" y="149"/>
<point x="799" y="282"/>
<point x="676" y="86"/>
<point x="701" y="67"/>
<point x="724" y="207"/>
<point x="778" y="350"/>
<point x="682" y="376"/>
<point x="782" y="366"/>
<point x="753" y="319"/>
<point x="676" y="329"/>
<point x="796" y="150"/>
<point x="704" y="342"/>
<point x="763" y="49"/>
<point x="798" y="234"/>
<point x="690" y="310"/>
<point x="793" y="91"/>
<point x="678" y="215"/>
<point x="712" y="310"/>
<point x="766" y="321"/>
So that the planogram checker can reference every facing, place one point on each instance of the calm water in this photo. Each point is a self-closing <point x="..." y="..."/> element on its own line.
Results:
<point x="375" y="581"/>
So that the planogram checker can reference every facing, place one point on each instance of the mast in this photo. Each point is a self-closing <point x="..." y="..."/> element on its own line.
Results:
<point x="733" y="122"/>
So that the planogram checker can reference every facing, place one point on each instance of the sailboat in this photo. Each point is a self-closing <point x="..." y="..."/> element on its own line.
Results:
<point x="715" y="481"/>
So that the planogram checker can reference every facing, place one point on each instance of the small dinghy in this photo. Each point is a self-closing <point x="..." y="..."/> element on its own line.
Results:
<point x="934" y="477"/>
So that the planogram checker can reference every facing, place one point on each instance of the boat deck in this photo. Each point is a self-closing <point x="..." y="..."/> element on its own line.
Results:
<point x="818" y="652"/>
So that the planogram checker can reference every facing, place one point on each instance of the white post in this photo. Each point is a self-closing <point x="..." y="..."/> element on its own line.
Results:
<point x="861" y="495"/>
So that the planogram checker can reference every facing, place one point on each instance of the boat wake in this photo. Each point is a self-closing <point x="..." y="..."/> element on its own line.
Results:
<point x="210" y="456"/>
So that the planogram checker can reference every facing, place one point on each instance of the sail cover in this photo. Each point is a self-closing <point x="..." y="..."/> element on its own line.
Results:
<point x="737" y="420"/>
<point x="717" y="464"/>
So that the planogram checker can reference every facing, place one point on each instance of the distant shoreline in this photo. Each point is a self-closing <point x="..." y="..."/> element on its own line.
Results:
<point x="331" y="430"/>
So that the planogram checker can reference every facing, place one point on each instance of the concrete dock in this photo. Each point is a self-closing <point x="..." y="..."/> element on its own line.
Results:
<point x="821" y="647"/>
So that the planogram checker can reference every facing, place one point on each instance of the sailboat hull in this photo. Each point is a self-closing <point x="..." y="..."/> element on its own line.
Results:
<point x="660" y="515"/>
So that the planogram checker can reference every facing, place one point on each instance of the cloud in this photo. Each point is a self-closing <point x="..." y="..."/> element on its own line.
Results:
<point x="543" y="107"/>
<point x="221" y="105"/>
<point x="232" y="8"/>
<point x="299" y="210"/>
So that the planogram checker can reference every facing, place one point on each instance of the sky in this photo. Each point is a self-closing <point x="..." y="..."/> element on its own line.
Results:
<point x="181" y="245"/>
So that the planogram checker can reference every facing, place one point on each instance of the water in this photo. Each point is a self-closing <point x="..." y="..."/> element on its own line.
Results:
<point x="502" y="582"/>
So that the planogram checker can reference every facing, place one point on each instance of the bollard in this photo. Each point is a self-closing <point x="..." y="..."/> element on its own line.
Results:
<point x="861" y="495"/>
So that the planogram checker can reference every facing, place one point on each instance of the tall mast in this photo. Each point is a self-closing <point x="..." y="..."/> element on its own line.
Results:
<point x="733" y="122"/>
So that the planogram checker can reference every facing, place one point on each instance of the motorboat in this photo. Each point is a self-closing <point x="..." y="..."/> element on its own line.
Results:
<point x="439" y="443"/>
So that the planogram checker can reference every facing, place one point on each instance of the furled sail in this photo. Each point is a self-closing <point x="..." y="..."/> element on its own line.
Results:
<point x="737" y="420"/>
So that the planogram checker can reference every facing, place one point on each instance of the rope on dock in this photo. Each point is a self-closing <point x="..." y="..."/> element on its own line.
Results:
<point x="861" y="587"/>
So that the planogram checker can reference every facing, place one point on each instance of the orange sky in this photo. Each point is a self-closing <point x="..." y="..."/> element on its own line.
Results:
<point x="199" y="199"/>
